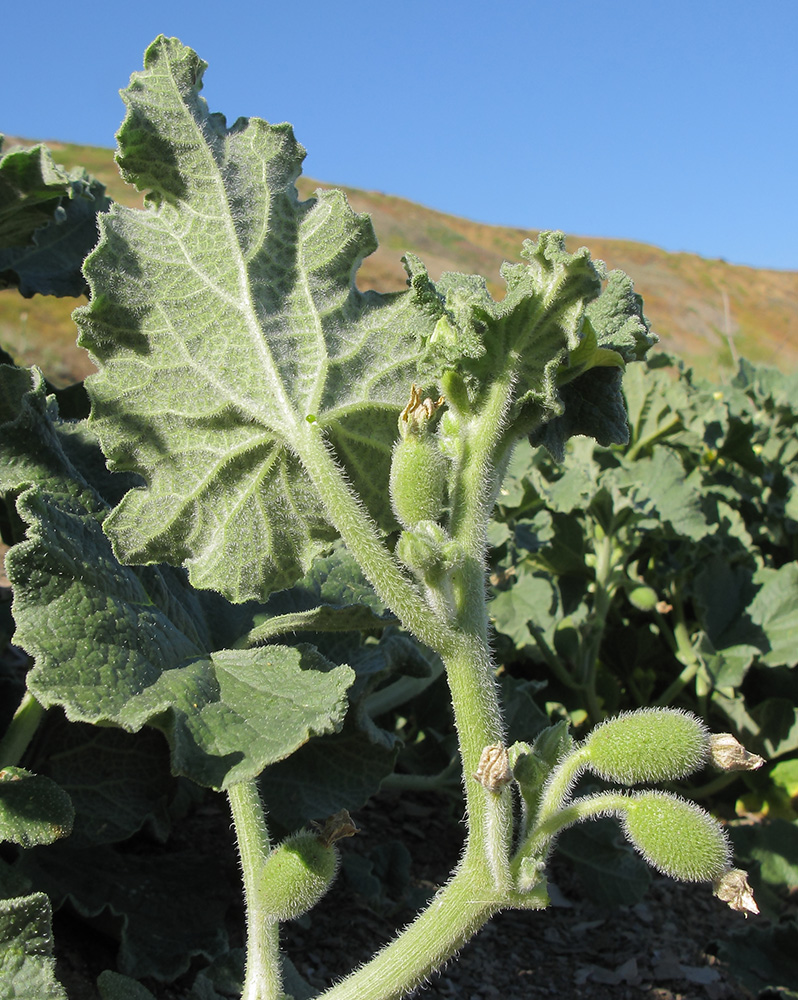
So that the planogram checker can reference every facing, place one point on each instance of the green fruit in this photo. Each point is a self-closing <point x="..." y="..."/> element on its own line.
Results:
<point x="429" y="551"/>
<point x="651" y="744"/>
<point x="418" y="479"/>
<point x="297" y="874"/>
<point x="677" y="837"/>
<point x="643" y="598"/>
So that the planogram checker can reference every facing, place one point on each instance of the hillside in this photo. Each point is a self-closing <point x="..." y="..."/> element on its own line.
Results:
<point x="706" y="311"/>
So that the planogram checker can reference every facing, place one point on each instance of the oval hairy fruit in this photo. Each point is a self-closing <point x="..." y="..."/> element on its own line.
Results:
<point x="676" y="837"/>
<point x="296" y="875"/>
<point x="643" y="598"/>
<point x="418" y="479"/>
<point x="648" y="745"/>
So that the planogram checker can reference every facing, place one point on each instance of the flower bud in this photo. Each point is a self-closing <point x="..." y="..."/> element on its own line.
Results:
<point x="418" y="467"/>
<point x="650" y="744"/>
<point x="677" y="837"/>
<point x="297" y="874"/>
<point x="429" y="550"/>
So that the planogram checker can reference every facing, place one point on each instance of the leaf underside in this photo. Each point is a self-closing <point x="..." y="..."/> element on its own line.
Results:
<point x="238" y="325"/>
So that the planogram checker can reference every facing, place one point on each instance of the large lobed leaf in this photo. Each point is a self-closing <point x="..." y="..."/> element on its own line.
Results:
<point x="224" y="318"/>
<point x="225" y="321"/>
<point x="48" y="223"/>
<point x="132" y="645"/>
<point x="27" y="964"/>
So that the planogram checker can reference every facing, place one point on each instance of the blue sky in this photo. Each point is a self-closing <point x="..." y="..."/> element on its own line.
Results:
<point x="672" y="123"/>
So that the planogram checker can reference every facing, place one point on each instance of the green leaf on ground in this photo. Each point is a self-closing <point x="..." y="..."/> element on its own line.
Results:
<point x="610" y="872"/>
<point x="27" y="965"/>
<point x="115" y="986"/>
<point x="133" y="647"/>
<point x="33" y="808"/>
<point x="763" y="959"/>
<point x="118" y="781"/>
<point x="163" y="913"/>
<point x="337" y="772"/>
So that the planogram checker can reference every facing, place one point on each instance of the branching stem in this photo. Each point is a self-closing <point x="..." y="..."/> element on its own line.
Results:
<point x="263" y="975"/>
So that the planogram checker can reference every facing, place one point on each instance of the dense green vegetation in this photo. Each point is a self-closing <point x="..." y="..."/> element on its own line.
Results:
<point x="249" y="546"/>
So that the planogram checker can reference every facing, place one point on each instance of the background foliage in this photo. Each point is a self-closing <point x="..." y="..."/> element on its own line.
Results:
<point x="661" y="572"/>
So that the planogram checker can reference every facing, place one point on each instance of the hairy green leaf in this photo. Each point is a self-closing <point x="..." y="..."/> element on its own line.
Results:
<point x="541" y="339"/>
<point x="48" y="223"/>
<point x="118" y="781"/>
<point x="31" y="188"/>
<point x="332" y="597"/>
<point x="238" y="336"/>
<point x="163" y="912"/>
<point x="133" y="646"/>
<point x="236" y="330"/>
<point x="115" y="986"/>
<point x="337" y="772"/>
<point x="33" y="808"/>
<point x="27" y="965"/>
<point x="775" y="611"/>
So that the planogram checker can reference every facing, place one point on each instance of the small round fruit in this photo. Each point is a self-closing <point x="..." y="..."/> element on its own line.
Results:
<point x="297" y="874"/>
<point x="643" y="598"/>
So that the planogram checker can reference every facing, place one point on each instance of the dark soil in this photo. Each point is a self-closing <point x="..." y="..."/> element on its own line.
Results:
<point x="659" y="949"/>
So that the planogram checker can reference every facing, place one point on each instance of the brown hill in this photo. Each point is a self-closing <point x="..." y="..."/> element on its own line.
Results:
<point x="706" y="311"/>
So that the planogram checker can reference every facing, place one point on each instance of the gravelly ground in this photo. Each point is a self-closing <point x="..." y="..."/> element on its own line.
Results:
<point x="659" y="949"/>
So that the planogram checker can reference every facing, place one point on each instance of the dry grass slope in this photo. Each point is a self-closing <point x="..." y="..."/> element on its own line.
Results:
<point x="706" y="311"/>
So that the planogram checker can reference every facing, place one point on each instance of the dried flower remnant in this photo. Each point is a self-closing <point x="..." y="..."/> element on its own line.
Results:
<point x="335" y="828"/>
<point x="417" y="411"/>
<point x="493" y="771"/>
<point x="732" y="887"/>
<point x="728" y="754"/>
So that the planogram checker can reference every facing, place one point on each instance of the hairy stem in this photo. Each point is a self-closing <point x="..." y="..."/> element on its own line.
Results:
<point x="262" y="979"/>
<point x="20" y="730"/>
<point x="685" y="653"/>
<point x="363" y="540"/>
<point x="454" y="916"/>
<point x="459" y="634"/>
<point x="589" y="807"/>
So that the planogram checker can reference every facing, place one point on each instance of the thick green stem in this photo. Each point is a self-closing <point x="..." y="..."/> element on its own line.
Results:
<point x="363" y="540"/>
<point x="454" y="916"/>
<point x="462" y="644"/>
<point x="20" y="731"/>
<point x="459" y="634"/>
<point x="479" y="724"/>
<point x="263" y="975"/>
<point x="473" y="496"/>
